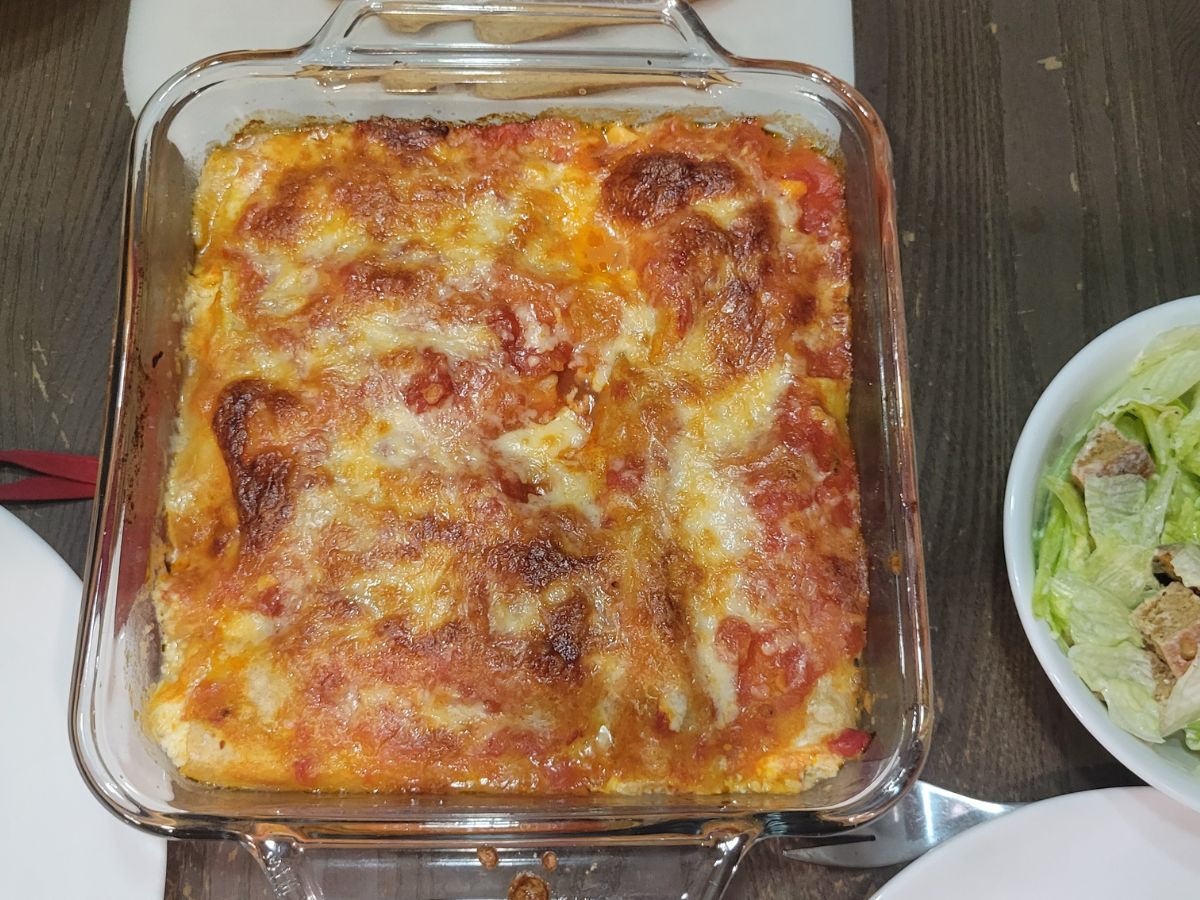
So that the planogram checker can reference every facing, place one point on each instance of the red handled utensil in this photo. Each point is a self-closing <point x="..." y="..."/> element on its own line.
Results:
<point x="59" y="476"/>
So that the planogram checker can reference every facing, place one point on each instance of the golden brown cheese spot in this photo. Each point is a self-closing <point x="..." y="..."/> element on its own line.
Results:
<point x="688" y="269"/>
<point x="211" y="701"/>
<point x="289" y="212"/>
<point x="251" y="283"/>
<point x="271" y="602"/>
<point x="371" y="199"/>
<point x="374" y="282"/>
<point x="707" y="274"/>
<point x="646" y="187"/>
<point x="736" y="329"/>
<point x="753" y="237"/>
<point x="664" y="592"/>
<point x="431" y="385"/>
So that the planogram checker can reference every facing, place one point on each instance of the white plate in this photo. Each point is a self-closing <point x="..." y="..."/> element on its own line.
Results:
<point x="166" y="35"/>
<point x="1121" y="843"/>
<point x="56" y="840"/>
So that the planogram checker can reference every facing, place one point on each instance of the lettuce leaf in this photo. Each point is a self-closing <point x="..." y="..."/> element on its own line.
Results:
<point x="1191" y="736"/>
<point x="1128" y="507"/>
<point x="1055" y="536"/>
<point x="1185" y="439"/>
<point x="1183" y="705"/>
<point x="1123" y="677"/>
<point x="1124" y="569"/>
<point x="1159" y="423"/>
<point x="1166" y="347"/>
<point x="1168" y="369"/>
<point x="1071" y="503"/>
<point x="1094" y="616"/>
<point x="1114" y="506"/>
<point x="1063" y="544"/>
<point x="1181" y="525"/>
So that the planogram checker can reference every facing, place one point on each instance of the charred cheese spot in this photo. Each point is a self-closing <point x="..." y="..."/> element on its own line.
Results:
<point x="646" y="187"/>
<point x="402" y="135"/>
<point x="512" y="456"/>
<point x="537" y="563"/>
<point x="252" y="423"/>
<point x="561" y="653"/>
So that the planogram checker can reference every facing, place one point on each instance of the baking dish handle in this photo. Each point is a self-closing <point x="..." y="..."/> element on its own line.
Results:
<point x="347" y="37"/>
<point x="282" y="861"/>
<point x="642" y="867"/>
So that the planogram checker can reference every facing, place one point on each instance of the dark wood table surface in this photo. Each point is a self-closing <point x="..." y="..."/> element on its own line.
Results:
<point x="1048" y="164"/>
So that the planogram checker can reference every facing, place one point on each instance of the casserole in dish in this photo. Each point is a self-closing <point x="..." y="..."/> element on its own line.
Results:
<point x="512" y="457"/>
<point x="415" y="61"/>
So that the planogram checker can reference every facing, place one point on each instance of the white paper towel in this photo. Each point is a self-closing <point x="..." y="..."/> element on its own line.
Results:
<point x="166" y="35"/>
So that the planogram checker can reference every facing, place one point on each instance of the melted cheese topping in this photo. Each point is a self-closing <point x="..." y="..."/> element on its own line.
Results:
<point x="513" y="457"/>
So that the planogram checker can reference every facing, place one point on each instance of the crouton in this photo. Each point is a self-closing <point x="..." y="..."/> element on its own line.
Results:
<point x="1170" y="623"/>
<point x="1164" y="681"/>
<point x="1107" y="452"/>
<point x="1179" y="562"/>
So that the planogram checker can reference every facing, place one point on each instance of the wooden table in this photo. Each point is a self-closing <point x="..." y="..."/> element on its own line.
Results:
<point x="1048" y="160"/>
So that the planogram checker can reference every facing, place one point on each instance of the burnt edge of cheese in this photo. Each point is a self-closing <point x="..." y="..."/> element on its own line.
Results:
<point x="646" y="187"/>
<point x="403" y="134"/>
<point x="263" y="482"/>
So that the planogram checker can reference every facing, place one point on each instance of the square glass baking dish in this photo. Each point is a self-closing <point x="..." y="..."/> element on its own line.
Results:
<point x="461" y="61"/>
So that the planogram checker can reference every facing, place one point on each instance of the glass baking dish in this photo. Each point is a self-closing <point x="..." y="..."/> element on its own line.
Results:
<point x="458" y="61"/>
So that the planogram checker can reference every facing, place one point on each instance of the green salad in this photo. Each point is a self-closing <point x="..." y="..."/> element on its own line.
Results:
<point x="1118" y="546"/>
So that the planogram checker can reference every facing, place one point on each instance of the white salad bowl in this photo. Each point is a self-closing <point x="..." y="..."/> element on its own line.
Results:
<point x="1060" y="414"/>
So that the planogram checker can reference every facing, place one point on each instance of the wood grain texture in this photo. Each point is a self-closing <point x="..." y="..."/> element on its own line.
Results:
<point x="1048" y="166"/>
<point x="62" y="147"/>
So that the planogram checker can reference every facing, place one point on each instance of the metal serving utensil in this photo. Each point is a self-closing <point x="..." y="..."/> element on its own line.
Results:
<point x="923" y="818"/>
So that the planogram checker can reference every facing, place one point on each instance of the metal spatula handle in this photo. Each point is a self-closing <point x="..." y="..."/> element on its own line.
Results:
<point x="925" y="817"/>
